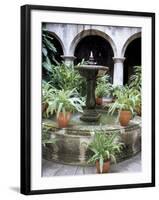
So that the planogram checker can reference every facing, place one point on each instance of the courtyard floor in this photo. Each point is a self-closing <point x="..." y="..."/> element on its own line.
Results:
<point x="50" y="168"/>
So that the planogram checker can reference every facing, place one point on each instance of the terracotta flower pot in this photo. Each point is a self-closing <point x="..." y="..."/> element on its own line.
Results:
<point x="63" y="119"/>
<point x="106" y="166"/>
<point x="124" y="117"/>
<point x="99" y="100"/>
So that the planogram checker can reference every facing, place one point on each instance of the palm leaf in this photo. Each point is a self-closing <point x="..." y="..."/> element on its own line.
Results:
<point x="101" y="162"/>
<point x="59" y="109"/>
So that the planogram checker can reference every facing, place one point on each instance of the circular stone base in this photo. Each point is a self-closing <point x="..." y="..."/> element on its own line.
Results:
<point x="71" y="142"/>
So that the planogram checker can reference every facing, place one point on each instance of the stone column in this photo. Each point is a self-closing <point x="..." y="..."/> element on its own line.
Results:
<point x="118" y="77"/>
<point x="68" y="59"/>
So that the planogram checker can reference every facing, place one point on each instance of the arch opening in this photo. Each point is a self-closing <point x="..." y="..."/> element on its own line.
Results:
<point x="59" y="48"/>
<point x="101" y="48"/>
<point x="53" y="57"/>
<point x="133" y="58"/>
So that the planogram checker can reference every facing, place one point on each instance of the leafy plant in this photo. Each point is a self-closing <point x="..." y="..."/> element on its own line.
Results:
<point x="100" y="90"/>
<point x="117" y="89"/>
<point x="104" y="147"/>
<point x="126" y="99"/>
<point x="48" y="92"/>
<point x="66" y="77"/>
<point x="65" y="101"/>
<point x="48" y="53"/>
<point x="46" y="139"/>
<point x="135" y="79"/>
<point x="137" y="94"/>
<point x="104" y="87"/>
<point x="135" y="85"/>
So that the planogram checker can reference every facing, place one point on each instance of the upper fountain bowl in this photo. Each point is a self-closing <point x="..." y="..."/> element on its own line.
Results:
<point x="95" y="67"/>
<point x="92" y="67"/>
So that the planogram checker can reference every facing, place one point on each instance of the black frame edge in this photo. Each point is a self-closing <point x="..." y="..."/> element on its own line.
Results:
<point x="25" y="180"/>
<point x="25" y="101"/>
<point x="92" y="188"/>
<point x="153" y="100"/>
<point x="89" y="10"/>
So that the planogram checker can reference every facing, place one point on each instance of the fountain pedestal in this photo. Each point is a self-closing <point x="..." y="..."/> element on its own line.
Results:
<point x="90" y="114"/>
<point x="90" y="72"/>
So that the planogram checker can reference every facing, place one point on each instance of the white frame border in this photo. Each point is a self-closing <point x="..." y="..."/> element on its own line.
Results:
<point x="41" y="183"/>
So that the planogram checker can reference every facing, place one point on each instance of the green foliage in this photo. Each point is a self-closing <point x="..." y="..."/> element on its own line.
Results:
<point x="100" y="90"/>
<point x="135" y="85"/>
<point x="48" y="50"/>
<point x="117" y="90"/>
<point x="48" y="92"/>
<point x="83" y="62"/>
<point x="137" y="94"/>
<point x="135" y="79"/>
<point x="59" y="75"/>
<point x="66" y="77"/>
<point x="126" y="99"/>
<point x="61" y="94"/>
<point x="65" y="101"/>
<point x="104" y="87"/>
<point x="104" y="147"/>
<point x="46" y="139"/>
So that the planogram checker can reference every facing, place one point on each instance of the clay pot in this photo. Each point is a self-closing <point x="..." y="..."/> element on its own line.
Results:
<point x="99" y="100"/>
<point x="124" y="117"/>
<point x="106" y="166"/>
<point x="63" y="119"/>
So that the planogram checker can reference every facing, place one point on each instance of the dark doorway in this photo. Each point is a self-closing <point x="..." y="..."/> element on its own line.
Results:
<point x="102" y="52"/>
<point x="133" y="58"/>
<point x="54" y="58"/>
<point x="58" y="47"/>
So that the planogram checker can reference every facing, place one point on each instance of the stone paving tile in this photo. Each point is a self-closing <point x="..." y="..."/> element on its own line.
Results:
<point x="50" y="168"/>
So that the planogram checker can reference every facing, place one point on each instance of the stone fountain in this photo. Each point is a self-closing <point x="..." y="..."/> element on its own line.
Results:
<point x="90" y="72"/>
<point x="71" y="142"/>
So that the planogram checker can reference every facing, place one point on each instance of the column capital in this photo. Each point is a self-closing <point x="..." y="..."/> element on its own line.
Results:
<point x="118" y="59"/>
<point x="68" y="57"/>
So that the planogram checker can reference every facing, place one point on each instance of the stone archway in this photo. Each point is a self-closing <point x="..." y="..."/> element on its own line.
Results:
<point x="99" y="43"/>
<point x="91" y="32"/>
<point x="101" y="49"/>
<point x="128" y="41"/>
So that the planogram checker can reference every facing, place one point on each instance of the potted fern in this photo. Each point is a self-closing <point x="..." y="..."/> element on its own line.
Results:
<point x="64" y="103"/>
<point x="125" y="103"/>
<point x="104" y="148"/>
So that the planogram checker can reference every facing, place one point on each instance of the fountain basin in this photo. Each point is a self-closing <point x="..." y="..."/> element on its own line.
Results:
<point x="71" y="142"/>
